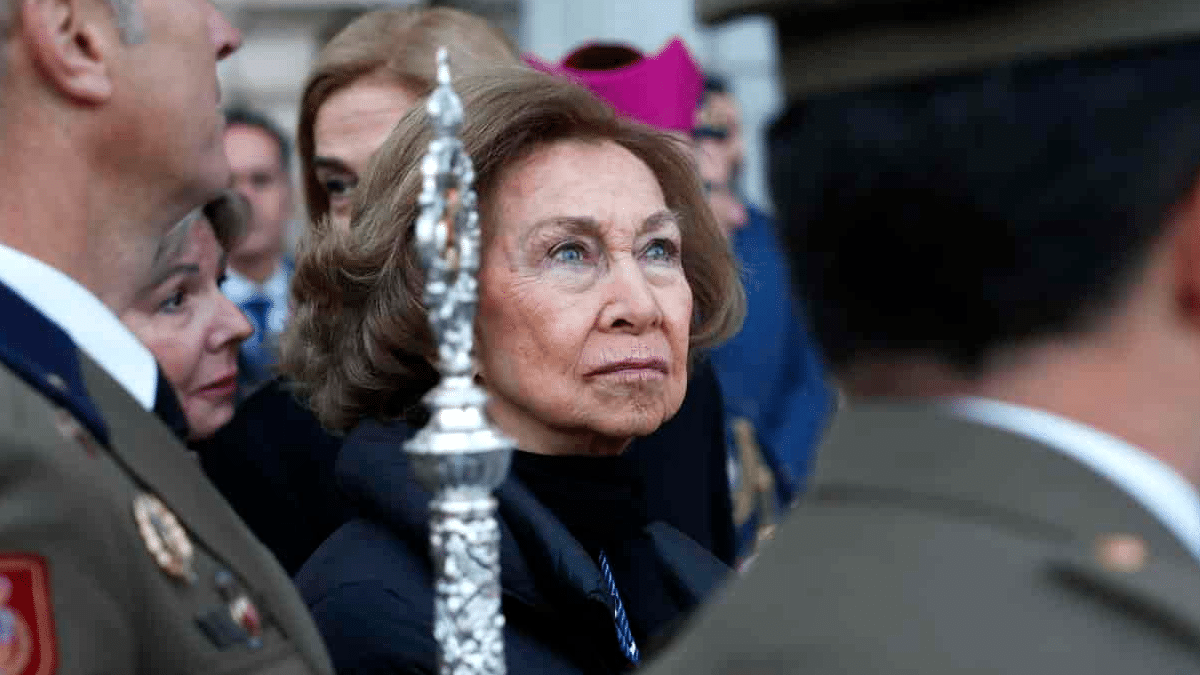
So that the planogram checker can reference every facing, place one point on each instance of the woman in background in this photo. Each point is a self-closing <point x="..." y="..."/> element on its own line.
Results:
<point x="192" y="329"/>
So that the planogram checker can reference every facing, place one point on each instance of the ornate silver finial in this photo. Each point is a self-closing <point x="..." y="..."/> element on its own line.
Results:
<point x="458" y="456"/>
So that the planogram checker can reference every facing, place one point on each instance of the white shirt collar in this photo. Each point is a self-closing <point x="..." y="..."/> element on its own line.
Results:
<point x="90" y="324"/>
<point x="1154" y="485"/>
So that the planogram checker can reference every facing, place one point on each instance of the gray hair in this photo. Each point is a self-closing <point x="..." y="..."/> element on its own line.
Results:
<point x="173" y="242"/>
<point x="227" y="215"/>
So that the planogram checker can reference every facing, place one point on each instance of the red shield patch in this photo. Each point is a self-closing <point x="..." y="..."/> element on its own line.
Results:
<point x="27" y="643"/>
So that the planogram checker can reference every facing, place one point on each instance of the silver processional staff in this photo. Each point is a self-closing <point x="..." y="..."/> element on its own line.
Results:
<point x="458" y="456"/>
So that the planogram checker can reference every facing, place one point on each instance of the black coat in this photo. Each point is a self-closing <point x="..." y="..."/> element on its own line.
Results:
<point x="275" y="465"/>
<point x="370" y="586"/>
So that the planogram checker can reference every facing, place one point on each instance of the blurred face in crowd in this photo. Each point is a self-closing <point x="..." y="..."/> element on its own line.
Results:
<point x="724" y="113"/>
<point x="260" y="175"/>
<point x="712" y="162"/>
<point x="193" y="330"/>
<point x="348" y="129"/>
<point x="168" y="99"/>
<point x="585" y="311"/>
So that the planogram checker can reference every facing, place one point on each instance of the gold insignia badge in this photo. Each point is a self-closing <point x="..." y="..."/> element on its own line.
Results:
<point x="165" y="538"/>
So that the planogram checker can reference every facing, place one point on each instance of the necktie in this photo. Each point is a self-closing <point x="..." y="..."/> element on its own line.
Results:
<point x="624" y="635"/>
<point x="256" y="309"/>
<point x="258" y="359"/>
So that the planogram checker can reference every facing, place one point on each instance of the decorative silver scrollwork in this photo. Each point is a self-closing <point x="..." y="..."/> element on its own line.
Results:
<point x="459" y="456"/>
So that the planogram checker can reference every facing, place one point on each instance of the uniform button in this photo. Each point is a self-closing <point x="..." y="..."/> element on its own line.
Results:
<point x="55" y="380"/>
<point x="1124" y="553"/>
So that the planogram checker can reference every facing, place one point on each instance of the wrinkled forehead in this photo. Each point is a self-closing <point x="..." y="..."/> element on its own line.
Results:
<point x="569" y="180"/>
<point x="355" y="120"/>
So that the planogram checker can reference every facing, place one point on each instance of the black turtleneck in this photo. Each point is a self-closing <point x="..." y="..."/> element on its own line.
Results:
<point x="600" y="500"/>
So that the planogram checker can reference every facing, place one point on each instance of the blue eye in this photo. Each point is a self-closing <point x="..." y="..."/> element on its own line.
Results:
<point x="661" y="249"/>
<point x="568" y="253"/>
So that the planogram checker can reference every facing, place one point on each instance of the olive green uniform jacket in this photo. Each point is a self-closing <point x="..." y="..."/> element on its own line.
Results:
<point x="930" y="544"/>
<point x="81" y="590"/>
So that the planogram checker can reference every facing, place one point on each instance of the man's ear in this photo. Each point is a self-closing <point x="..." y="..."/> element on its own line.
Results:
<point x="70" y="43"/>
<point x="1185" y="236"/>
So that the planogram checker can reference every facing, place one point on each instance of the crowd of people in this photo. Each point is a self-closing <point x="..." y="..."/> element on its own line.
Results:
<point x="940" y="416"/>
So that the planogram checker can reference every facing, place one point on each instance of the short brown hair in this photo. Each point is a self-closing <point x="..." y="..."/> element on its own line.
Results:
<point x="398" y="45"/>
<point x="359" y="343"/>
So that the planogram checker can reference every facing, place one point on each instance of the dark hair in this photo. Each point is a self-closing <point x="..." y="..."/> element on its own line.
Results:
<point x="715" y="84"/>
<point x="359" y="343"/>
<point x="253" y="118"/>
<point x="707" y="125"/>
<point x="958" y="216"/>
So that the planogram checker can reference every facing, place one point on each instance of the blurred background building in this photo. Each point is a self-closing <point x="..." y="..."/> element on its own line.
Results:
<point x="282" y="38"/>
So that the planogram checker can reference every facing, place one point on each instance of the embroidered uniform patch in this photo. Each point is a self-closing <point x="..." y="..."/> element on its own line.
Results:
<point x="27" y="640"/>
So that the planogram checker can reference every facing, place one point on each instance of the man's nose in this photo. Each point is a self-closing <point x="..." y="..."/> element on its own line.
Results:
<point x="225" y="37"/>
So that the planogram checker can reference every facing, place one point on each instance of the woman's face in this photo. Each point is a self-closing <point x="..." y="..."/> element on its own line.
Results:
<point x="347" y="130"/>
<point x="193" y="330"/>
<point x="584" y="308"/>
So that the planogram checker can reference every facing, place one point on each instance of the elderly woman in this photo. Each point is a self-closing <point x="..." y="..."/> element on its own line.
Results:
<point x="192" y="329"/>
<point x="603" y="273"/>
<point x="365" y="79"/>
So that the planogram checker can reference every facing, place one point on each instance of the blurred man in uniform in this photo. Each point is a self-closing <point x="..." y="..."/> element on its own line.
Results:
<point x="116" y="554"/>
<point x="992" y="212"/>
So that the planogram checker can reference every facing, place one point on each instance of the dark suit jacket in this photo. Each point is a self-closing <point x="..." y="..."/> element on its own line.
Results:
<point x="930" y="544"/>
<point x="274" y="463"/>
<point x="76" y="453"/>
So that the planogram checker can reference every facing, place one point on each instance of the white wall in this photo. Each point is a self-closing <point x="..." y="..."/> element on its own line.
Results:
<point x="743" y="51"/>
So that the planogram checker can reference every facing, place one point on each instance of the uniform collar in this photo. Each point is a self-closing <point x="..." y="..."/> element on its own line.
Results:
<point x="91" y="325"/>
<point x="38" y="352"/>
<point x="1153" y="484"/>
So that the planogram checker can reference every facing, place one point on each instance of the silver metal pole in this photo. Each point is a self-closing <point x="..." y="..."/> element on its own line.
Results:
<point x="458" y="456"/>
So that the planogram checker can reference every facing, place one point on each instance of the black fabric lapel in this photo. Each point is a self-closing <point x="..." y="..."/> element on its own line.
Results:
<point x="167" y="408"/>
